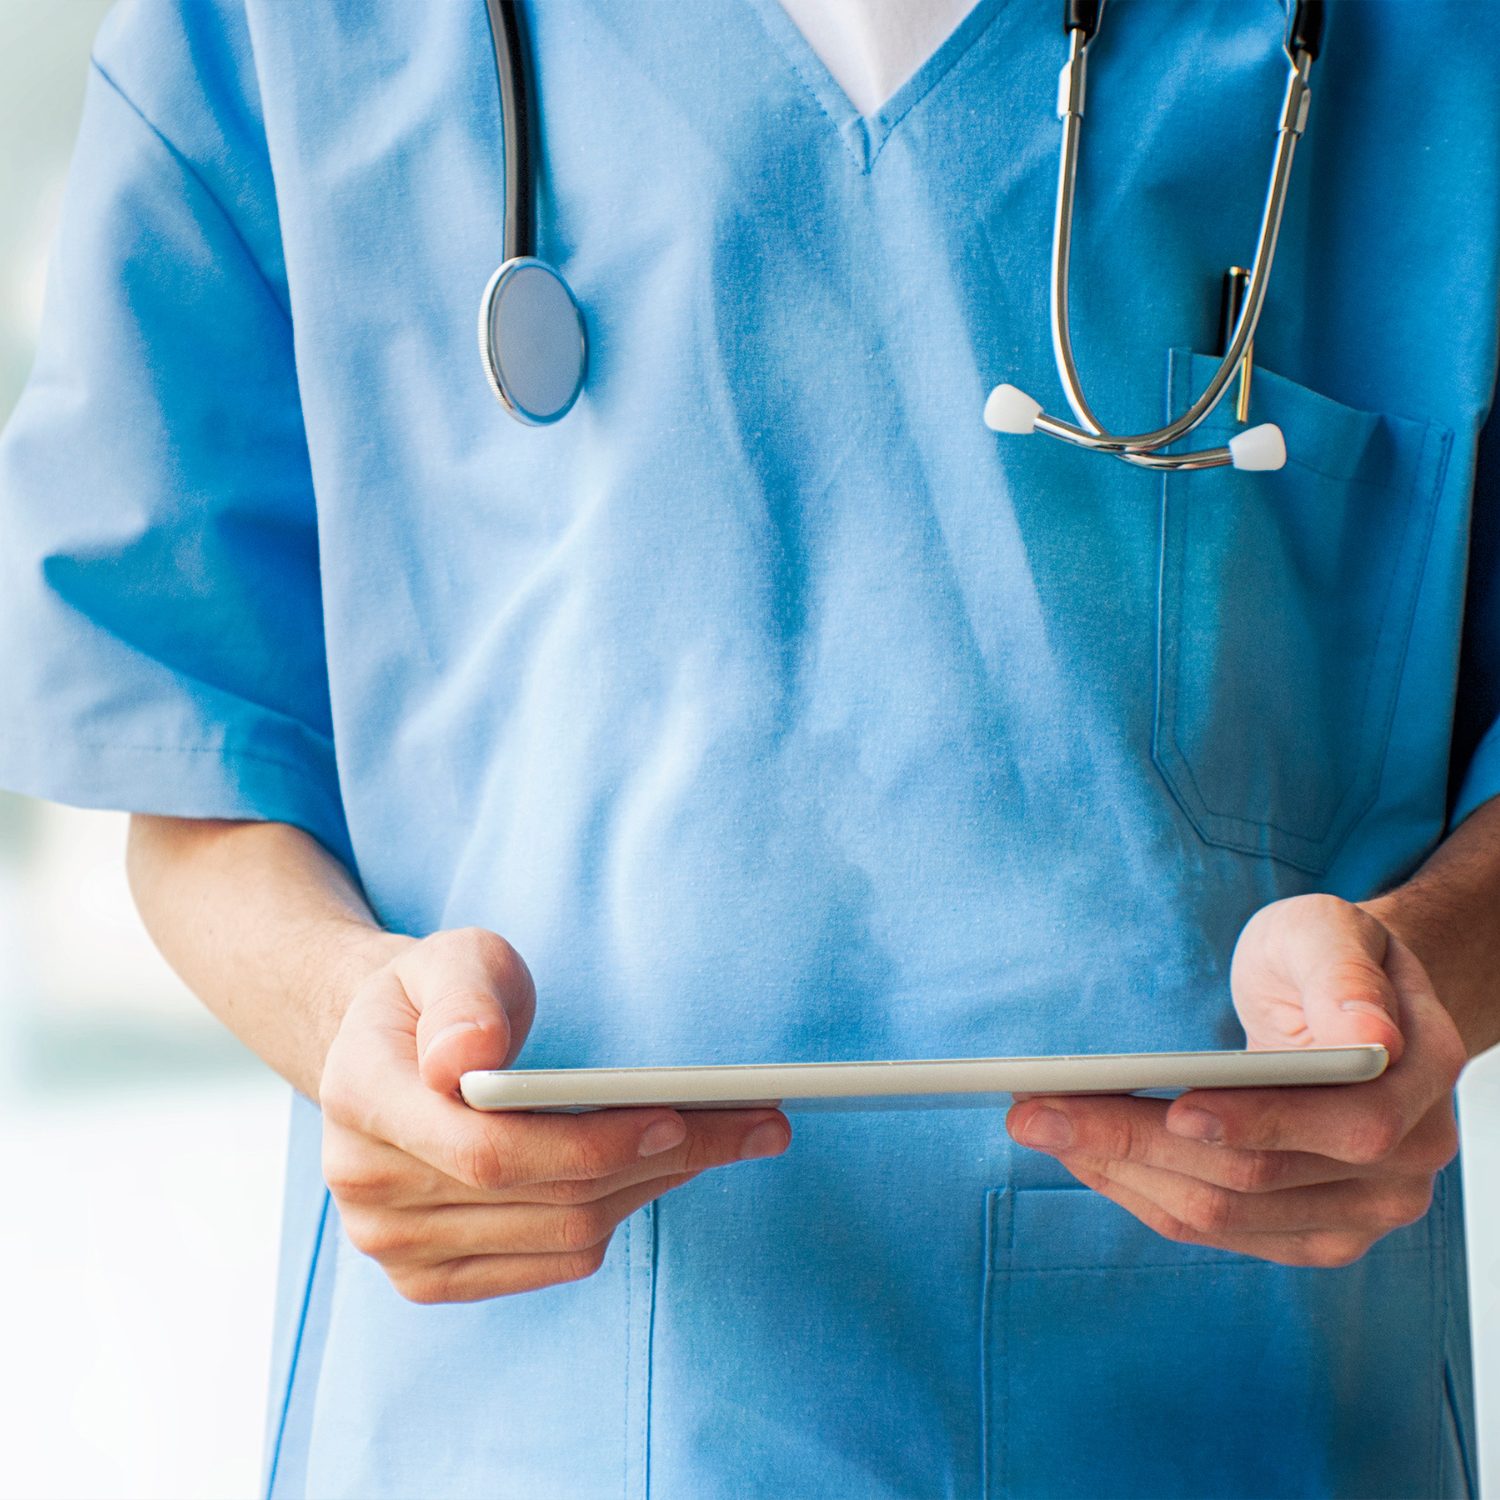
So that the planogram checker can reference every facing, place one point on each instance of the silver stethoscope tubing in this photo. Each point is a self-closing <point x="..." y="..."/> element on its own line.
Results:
<point x="1011" y="410"/>
<point x="531" y="331"/>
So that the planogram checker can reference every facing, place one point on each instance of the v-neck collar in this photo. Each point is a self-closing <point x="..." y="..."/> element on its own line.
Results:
<point x="864" y="136"/>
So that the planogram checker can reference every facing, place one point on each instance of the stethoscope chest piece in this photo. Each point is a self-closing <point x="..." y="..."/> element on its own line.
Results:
<point x="532" y="340"/>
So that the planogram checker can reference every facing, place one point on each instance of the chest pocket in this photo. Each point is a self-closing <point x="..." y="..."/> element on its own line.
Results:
<point x="1285" y="607"/>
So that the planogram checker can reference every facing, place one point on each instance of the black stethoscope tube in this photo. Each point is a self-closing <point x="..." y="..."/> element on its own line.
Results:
<point x="512" y="66"/>
<point x="1306" y="33"/>
<point x="1307" y="28"/>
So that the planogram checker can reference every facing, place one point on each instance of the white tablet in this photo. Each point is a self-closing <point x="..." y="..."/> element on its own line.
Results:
<point x="958" y="1081"/>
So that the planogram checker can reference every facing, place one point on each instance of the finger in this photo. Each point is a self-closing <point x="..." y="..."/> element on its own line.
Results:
<point x="474" y="1001"/>
<point x="1132" y="1129"/>
<point x="364" y="1171"/>
<point x="551" y="1149"/>
<point x="481" y="1277"/>
<point x="1314" y="1248"/>
<point x="1371" y="1002"/>
<point x="375" y="1091"/>
<point x="714" y="1138"/>
<point x="458" y="1232"/>
<point x="1361" y="1123"/>
<point x="370" y="1172"/>
<point x="371" y="1086"/>
<point x="1124" y="1128"/>
<point x="1374" y="1206"/>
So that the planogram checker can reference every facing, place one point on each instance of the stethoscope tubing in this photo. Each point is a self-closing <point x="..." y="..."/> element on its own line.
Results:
<point x="1142" y="448"/>
<point x="1010" y="410"/>
<point x="517" y="123"/>
<point x="536" y="402"/>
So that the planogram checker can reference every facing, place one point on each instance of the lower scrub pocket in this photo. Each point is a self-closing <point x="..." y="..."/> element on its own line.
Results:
<point x="1116" y="1363"/>
<point x="514" y="1398"/>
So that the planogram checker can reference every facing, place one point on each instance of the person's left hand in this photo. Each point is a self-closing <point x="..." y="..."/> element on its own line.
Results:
<point x="1303" y="1176"/>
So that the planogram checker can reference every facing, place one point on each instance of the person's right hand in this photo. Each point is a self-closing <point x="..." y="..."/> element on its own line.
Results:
<point x="458" y="1205"/>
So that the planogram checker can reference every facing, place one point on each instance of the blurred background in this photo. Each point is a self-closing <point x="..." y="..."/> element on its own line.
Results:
<point x="140" y="1145"/>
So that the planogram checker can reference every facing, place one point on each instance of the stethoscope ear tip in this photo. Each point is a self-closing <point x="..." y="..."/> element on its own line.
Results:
<point x="1010" y="409"/>
<point x="1258" y="448"/>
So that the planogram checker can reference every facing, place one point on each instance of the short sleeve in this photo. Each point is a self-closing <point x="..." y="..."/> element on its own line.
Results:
<point x="1476" y="749"/>
<point x="160" y="609"/>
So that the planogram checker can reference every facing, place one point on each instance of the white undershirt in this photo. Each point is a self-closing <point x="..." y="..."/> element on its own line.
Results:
<point x="873" y="46"/>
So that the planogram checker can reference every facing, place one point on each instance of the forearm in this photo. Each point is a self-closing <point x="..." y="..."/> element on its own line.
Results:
<point x="263" y="925"/>
<point x="1448" y="914"/>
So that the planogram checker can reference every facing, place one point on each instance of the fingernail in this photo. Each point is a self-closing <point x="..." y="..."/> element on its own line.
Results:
<point x="662" y="1136"/>
<point x="1050" y="1129"/>
<point x="1367" y="1008"/>
<point x="769" y="1139"/>
<point x="1196" y="1124"/>
<point x="447" y="1031"/>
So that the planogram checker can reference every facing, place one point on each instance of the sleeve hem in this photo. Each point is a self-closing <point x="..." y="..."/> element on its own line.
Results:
<point x="178" y="781"/>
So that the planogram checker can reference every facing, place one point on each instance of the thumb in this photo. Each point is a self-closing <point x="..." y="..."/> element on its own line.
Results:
<point x="474" y="999"/>
<point x="1320" y="972"/>
<point x="1351" y="1001"/>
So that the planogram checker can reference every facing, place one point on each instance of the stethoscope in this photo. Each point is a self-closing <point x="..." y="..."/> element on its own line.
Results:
<point x="535" y="345"/>
<point x="1010" y="409"/>
<point x="531" y="331"/>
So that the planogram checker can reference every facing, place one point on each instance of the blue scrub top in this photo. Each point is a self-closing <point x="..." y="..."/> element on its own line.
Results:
<point x="772" y="706"/>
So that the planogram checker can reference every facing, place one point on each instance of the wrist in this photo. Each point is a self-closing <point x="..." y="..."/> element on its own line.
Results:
<point x="364" y="950"/>
<point x="348" y="955"/>
<point x="1441" y="954"/>
<point x="1387" y="912"/>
